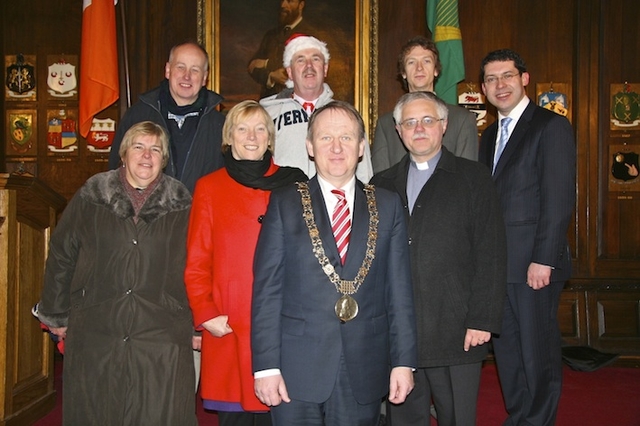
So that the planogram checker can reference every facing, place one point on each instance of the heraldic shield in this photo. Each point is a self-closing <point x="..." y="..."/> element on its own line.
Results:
<point x="21" y="77"/>
<point x="21" y="132"/>
<point x="62" y="80"/>
<point x="626" y="107"/>
<point x="625" y="166"/>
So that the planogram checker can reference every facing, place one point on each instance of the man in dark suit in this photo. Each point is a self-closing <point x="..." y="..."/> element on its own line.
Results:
<point x="458" y="263"/>
<point x="533" y="161"/>
<point x="419" y="66"/>
<point x="329" y="323"/>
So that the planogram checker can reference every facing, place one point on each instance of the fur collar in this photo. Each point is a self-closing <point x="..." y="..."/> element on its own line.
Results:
<point x="105" y="189"/>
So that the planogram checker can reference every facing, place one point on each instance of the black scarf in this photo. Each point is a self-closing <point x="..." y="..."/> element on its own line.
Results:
<point x="252" y="173"/>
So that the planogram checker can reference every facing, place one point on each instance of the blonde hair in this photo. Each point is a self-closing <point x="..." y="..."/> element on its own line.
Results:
<point x="240" y="112"/>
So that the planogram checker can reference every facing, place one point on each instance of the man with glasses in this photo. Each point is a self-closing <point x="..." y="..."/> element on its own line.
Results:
<point x="531" y="153"/>
<point x="458" y="263"/>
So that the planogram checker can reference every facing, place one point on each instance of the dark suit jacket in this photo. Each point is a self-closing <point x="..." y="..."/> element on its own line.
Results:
<point x="461" y="138"/>
<point x="294" y="326"/>
<point x="535" y="178"/>
<point x="458" y="256"/>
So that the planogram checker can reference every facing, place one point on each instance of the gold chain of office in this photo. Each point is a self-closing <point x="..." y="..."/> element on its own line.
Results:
<point x="342" y="286"/>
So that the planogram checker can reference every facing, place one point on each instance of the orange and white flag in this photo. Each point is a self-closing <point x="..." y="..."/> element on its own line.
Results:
<point x="99" y="86"/>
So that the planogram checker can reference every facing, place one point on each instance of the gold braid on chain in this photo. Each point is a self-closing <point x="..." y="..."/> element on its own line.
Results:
<point x="342" y="286"/>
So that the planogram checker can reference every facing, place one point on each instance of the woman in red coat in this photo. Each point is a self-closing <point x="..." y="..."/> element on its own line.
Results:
<point x="226" y="216"/>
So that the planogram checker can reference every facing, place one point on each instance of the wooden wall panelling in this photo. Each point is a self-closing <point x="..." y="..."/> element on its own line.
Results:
<point x="398" y="22"/>
<point x="586" y="130"/>
<point x="615" y="320"/>
<point x="572" y="317"/>
<point x="152" y="28"/>
<point x="618" y="229"/>
<point x="3" y="12"/>
<point x="43" y="27"/>
<point x="29" y="211"/>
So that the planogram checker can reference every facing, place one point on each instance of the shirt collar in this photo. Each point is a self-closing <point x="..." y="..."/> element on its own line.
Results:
<point x="517" y="111"/>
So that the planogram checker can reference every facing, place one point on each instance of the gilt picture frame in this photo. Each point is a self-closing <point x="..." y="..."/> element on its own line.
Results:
<point x="232" y="31"/>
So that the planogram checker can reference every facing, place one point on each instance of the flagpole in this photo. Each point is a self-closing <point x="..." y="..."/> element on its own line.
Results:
<point x="125" y="54"/>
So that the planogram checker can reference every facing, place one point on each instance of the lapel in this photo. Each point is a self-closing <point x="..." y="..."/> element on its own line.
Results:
<point x="400" y="183"/>
<point x="359" y="233"/>
<point x="516" y="138"/>
<point x="488" y="147"/>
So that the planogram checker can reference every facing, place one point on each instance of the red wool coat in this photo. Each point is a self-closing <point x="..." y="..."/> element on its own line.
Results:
<point x="223" y="232"/>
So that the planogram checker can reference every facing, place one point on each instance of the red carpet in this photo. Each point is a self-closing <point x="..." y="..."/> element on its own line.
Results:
<point x="606" y="397"/>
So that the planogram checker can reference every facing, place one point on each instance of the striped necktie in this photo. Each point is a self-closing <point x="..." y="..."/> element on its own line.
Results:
<point x="502" y="143"/>
<point x="341" y="223"/>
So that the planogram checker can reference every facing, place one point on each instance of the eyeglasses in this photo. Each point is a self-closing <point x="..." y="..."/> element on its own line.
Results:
<point x="411" y="123"/>
<point x="506" y="78"/>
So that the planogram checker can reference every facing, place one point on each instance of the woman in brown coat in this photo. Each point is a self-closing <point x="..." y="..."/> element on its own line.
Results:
<point x="114" y="292"/>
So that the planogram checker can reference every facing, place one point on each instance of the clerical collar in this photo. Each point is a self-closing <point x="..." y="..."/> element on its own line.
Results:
<point x="429" y="164"/>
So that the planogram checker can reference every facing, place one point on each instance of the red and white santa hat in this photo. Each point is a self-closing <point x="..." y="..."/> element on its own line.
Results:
<point x="298" y="42"/>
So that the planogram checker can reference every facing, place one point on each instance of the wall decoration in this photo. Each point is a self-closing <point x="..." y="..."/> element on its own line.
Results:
<point x="62" y="78"/>
<point x="62" y="132"/>
<point x="102" y="132"/>
<point x="554" y="97"/>
<point x="471" y="98"/>
<point x="27" y="167"/>
<point x="20" y="77"/>
<point x="21" y="128"/>
<point x="625" y="106"/>
<point x="624" y="168"/>
<point x="233" y="31"/>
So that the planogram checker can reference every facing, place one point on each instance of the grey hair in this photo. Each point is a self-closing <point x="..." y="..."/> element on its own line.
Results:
<point x="441" y="107"/>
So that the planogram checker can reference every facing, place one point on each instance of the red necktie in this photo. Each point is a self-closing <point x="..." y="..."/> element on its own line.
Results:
<point x="308" y="106"/>
<point x="341" y="224"/>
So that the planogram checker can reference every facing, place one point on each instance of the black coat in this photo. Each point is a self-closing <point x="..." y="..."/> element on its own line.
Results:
<point x="458" y="256"/>
<point x="205" y="154"/>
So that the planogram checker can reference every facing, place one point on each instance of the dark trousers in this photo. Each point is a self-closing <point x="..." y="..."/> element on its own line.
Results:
<point x="528" y="354"/>
<point x="243" y="419"/>
<point x="454" y="390"/>
<point x="341" y="409"/>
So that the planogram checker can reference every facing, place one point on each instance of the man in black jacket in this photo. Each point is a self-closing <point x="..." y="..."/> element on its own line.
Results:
<point x="187" y="110"/>
<point x="458" y="263"/>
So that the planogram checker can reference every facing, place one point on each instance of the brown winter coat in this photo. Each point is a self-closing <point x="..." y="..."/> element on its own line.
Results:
<point x="118" y="287"/>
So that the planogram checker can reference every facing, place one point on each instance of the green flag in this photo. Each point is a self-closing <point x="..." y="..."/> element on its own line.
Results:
<point x="442" y="20"/>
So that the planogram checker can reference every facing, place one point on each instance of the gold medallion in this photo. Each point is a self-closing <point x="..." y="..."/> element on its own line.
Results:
<point x="346" y="308"/>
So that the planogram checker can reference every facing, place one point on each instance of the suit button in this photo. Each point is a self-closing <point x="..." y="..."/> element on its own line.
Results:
<point x="410" y="240"/>
<point x="134" y="242"/>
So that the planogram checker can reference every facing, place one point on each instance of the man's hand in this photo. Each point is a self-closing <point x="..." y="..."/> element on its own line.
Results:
<point x="218" y="326"/>
<point x="538" y="276"/>
<point x="400" y="384"/>
<point x="257" y="63"/>
<point x="271" y="390"/>
<point x="61" y="332"/>
<point x="278" y="76"/>
<point x="475" y="338"/>
<point x="196" y="343"/>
